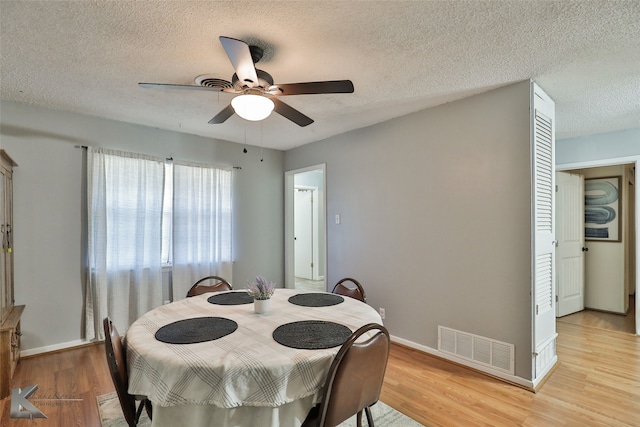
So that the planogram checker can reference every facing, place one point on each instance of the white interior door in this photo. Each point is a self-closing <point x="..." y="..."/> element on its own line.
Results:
<point x="570" y="237"/>
<point x="303" y="233"/>
<point x="543" y="210"/>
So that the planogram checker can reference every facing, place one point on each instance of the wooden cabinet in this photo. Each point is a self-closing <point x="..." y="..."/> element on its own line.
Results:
<point x="9" y="349"/>
<point x="9" y="313"/>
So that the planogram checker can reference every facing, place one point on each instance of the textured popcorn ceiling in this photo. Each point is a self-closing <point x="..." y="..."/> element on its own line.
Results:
<point x="402" y="56"/>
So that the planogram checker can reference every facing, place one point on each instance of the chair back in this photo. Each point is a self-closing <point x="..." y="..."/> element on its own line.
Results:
<point x="356" y="375"/>
<point x="354" y="291"/>
<point x="116" y="358"/>
<point x="219" y="284"/>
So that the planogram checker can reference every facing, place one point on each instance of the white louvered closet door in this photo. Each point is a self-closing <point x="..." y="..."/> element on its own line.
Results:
<point x="543" y="148"/>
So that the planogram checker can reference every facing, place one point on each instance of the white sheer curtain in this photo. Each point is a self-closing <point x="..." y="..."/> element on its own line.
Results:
<point x="201" y="225"/>
<point x="124" y="198"/>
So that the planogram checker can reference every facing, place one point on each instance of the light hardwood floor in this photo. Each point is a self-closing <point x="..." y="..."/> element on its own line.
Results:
<point x="604" y="320"/>
<point x="310" y="285"/>
<point x="596" y="383"/>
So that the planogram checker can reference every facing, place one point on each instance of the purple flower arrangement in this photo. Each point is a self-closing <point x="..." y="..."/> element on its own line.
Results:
<point x="261" y="289"/>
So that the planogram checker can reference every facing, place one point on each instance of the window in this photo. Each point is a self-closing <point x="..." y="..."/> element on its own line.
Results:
<point x="141" y="212"/>
<point x="201" y="224"/>
<point x="167" y="213"/>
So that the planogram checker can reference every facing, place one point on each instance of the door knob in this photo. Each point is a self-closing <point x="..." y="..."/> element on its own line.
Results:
<point x="585" y="249"/>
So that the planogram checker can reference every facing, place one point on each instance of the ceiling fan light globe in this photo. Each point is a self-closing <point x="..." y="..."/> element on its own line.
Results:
<point x="252" y="107"/>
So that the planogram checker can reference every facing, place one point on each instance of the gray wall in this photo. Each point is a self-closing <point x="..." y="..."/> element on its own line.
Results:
<point x="435" y="213"/>
<point x="436" y="217"/>
<point x="48" y="208"/>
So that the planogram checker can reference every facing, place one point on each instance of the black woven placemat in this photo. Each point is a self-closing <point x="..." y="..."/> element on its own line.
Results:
<point x="316" y="300"/>
<point x="231" y="298"/>
<point x="198" y="329"/>
<point x="311" y="334"/>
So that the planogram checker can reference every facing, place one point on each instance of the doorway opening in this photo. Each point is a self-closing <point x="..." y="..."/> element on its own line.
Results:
<point x="605" y="318"/>
<point x="305" y="224"/>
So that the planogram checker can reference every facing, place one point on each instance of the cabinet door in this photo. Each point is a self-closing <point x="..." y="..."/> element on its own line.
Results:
<point x="3" y="271"/>
<point x="8" y="255"/>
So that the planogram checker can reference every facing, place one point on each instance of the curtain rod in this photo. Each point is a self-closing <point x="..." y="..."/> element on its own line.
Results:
<point x="168" y="158"/>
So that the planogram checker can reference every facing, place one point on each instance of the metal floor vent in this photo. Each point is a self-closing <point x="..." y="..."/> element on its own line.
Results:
<point x="484" y="351"/>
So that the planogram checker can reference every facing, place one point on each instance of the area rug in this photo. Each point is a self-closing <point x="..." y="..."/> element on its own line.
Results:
<point x="383" y="415"/>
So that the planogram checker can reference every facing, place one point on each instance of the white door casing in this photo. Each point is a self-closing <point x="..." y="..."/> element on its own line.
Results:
<point x="570" y="235"/>
<point x="321" y="223"/>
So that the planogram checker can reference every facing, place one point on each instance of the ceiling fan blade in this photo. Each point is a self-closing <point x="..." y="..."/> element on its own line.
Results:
<point x="222" y="116"/>
<point x="310" y="88"/>
<point x="240" y="56"/>
<point x="186" y="87"/>
<point x="291" y="113"/>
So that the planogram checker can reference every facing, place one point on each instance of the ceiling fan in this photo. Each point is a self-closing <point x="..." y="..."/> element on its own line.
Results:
<point x="256" y="87"/>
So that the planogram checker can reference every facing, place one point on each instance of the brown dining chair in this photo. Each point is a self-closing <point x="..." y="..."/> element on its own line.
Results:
<point x="354" y="380"/>
<point x="116" y="359"/>
<point x="353" y="290"/>
<point x="200" y="288"/>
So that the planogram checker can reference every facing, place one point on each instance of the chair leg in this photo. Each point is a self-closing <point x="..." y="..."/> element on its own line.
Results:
<point x="149" y="408"/>
<point x="146" y="405"/>
<point x="367" y="410"/>
<point x="359" y="419"/>
<point x="139" y="412"/>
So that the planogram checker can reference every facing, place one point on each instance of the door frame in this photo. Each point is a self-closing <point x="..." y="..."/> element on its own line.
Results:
<point x="635" y="160"/>
<point x="289" y="249"/>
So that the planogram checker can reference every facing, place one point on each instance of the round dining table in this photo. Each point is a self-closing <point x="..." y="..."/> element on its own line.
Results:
<point x="211" y="360"/>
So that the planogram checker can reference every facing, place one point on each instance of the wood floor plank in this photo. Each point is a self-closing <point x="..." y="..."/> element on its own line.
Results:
<point x="596" y="383"/>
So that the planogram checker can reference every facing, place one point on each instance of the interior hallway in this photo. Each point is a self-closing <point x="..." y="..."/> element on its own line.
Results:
<point x="310" y="285"/>
<point x="604" y="320"/>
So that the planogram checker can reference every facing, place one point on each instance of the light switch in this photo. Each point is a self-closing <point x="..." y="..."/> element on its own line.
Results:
<point x="337" y="218"/>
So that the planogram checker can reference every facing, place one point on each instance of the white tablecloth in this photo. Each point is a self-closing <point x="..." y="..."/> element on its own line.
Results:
<point x="245" y="378"/>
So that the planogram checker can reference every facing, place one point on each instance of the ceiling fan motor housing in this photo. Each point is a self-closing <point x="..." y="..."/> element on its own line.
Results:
<point x="264" y="80"/>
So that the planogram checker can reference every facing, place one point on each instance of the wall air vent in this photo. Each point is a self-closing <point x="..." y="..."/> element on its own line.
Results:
<point x="480" y="350"/>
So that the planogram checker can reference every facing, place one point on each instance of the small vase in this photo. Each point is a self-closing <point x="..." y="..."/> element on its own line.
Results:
<point x="261" y="305"/>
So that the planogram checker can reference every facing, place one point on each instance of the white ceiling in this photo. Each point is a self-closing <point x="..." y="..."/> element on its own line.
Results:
<point x="402" y="56"/>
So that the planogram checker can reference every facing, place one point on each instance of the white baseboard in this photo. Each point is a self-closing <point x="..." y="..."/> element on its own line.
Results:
<point x="55" y="347"/>
<point x="543" y="375"/>
<point x="522" y="382"/>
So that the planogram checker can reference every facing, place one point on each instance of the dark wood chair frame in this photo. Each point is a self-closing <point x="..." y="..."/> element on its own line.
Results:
<point x="199" y="289"/>
<point x="116" y="359"/>
<point x="354" y="380"/>
<point x="358" y="292"/>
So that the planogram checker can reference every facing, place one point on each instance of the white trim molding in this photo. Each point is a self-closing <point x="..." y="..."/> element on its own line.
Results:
<point x="54" y="347"/>
<point x="518" y="381"/>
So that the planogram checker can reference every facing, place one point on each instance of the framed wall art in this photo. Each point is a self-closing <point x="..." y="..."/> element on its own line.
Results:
<point x="602" y="205"/>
